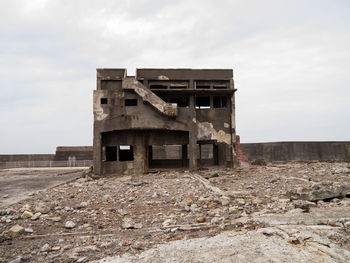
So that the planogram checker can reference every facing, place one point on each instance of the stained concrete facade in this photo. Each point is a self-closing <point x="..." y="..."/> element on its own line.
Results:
<point x="298" y="151"/>
<point x="163" y="118"/>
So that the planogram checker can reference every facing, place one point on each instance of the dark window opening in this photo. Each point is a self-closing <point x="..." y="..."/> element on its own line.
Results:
<point x="181" y="102"/>
<point x="104" y="101"/>
<point x="202" y="87"/>
<point x="130" y="102"/>
<point x="220" y="86"/>
<point x="178" y="86"/>
<point x="111" y="153"/>
<point x="202" y="102"/>
<point x="158" y="87"/>
<point x="220" y="101"/>
<point x="165" y="99"/>
<point x="126" y="153"/>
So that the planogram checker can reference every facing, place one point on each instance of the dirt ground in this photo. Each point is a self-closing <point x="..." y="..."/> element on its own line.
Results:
<point x="16" y="184"/>
<point x="89" y="219"/>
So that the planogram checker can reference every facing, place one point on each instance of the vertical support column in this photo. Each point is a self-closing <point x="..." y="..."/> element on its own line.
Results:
<point x="97" y="153"/>
<point x="234" y="159"/>
<point x="184" y="155"/>
<point x="146" y="152"/>
<point x="192" y="140"/>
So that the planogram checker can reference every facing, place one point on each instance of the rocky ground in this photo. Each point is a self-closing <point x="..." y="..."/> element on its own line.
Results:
<point x="90" y="219"/>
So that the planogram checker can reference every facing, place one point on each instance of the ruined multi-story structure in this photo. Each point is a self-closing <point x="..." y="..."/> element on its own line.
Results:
<point x="163" y="118"/>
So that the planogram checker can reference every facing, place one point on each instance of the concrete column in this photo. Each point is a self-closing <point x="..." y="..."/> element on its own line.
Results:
<point x="184" y="154"/>
<point x="97" y="153"/>
<point x="192" y="140"/>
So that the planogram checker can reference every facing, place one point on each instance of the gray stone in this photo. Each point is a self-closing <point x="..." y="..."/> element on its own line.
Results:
<point x="35" y="216"/>
<point x="28" y="230"/>
<point x="45" y="248"/>
<point x="303" y="204"/>
<point x="42" y="208"/>
<point x="320" y="191"/>
<point x="128" y="223"/>
<point x="56" y="219"/>
<point x="69" y="224"/>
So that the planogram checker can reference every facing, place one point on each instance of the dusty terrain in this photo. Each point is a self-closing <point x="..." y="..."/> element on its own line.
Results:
<point x="16" y="184"/>
<point x="273" y="213"/>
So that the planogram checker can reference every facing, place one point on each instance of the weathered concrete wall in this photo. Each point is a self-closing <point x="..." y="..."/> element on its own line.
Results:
<point x="197" y="102"/>
<point x="62" y="154"/>
<point x="80" y="153"/>
<point x="26" y="157"/>
<point x="298" y="151"/>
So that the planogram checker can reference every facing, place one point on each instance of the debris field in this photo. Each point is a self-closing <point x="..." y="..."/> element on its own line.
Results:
<point x="88" y="219"/>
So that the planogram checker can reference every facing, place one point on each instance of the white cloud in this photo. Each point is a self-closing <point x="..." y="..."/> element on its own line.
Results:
<point x="290" y="61"/>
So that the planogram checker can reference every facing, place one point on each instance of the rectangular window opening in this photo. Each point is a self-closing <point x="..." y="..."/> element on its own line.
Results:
<point x="130" y="102"/>
<point x="177" y="86"/>
<point x="181" y="102"/>
<point x="158" y="87"/>
<point x="203" y="102"/>
<point x="126" y="153"/>
<point x="220" y="101"/>
<point x="104" y="101"/>
<point x="202" y="85"/>
<point x="220" y="86"/>
<point x="111" y="153"/>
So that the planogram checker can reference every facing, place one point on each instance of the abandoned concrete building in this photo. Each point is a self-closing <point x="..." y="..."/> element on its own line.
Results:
<point x="163" y="118"/>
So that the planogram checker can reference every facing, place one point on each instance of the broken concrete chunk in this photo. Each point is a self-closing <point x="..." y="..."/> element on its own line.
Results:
<point x="212" y="175"/>
<point x="15" y="231"/>
<point x="320" y="191"/>
<point x="26" y="214"/>
<point x="69" y="224"/>
<point x="42" y="208"/>
<point x="128" y="223"/>
<point x="35" y="216"/>
<point x="45" y="248"/>
<point x="303" y="204"/>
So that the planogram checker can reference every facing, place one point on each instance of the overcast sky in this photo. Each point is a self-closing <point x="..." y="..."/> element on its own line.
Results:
<point x="291" y="62"/>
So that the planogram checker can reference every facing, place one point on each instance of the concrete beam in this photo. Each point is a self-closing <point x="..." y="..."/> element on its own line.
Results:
<point x="148" y="96"/>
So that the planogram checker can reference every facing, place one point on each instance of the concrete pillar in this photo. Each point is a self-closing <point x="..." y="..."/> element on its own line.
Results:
<point x="97" y="153"/>
<point x="184" y="154"/>
<point x="192" y="140"/>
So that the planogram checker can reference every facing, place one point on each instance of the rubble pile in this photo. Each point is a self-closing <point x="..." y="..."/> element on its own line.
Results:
<point x="89" y="219"/>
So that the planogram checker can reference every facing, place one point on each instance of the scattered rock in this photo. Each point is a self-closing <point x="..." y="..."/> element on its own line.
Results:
<point x="303" y="204"/>
<point x="56" y="248"/>
<point x="15" y="231"/>
<point x="225" y="201"/>
<point x="56" y="219"/>
<point x="45" y="248"/>
<point x="5" y="196"/>
<point x="82" y="260"/>
<point x="81" y="205"/>
<point x="320" y="191"/>
<point x="18" y="259"/>
<point x="128" y="223"/>
<point x="69" y="224"/>
<point x="28" y="230"/>
<point x="212" y="175"/>
<point x="201" y="219"/>
<point x="36" y="216"/>
<point x="42" y="208"/>
<point x="26" y="214"/>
